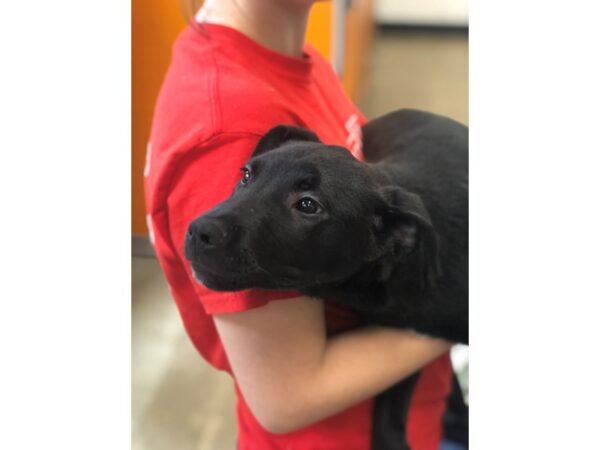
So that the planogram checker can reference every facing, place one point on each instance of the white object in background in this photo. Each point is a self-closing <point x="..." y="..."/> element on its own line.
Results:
<point x="422" y="12"/>
<point x="459" y="355"/>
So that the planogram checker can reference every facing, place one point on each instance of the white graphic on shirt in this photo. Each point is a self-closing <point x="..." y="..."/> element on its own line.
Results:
<point x="354" y="140"/>
<point x="148" y="156"/>
<point x="150" y="228"/>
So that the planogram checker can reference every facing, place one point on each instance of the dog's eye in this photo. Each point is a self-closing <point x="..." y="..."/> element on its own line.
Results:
<point x="307" y="205"/>
<point x="245" y="176"/>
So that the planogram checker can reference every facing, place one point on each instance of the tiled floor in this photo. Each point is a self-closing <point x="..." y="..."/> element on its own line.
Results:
<point x="181" y="403"/>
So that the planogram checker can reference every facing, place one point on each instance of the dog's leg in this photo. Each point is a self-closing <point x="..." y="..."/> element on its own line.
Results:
<point x="390" y="411"/>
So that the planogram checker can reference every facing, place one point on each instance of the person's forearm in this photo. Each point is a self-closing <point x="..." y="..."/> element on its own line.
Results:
<point x="355" y="366"/>
<point x="291" y="374"/>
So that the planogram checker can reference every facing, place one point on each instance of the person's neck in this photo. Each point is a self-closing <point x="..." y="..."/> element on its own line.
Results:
<point x="276" y="25"/>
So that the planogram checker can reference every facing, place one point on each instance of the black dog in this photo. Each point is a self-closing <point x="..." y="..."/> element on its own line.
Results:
<point x="387" y="237"/>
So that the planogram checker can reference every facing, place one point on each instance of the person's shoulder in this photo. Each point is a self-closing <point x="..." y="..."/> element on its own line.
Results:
<point x="249" y="104"/>
<point x="184" y="103"/>
<point x="246" y="100"/>
<point x="205" y="93"/>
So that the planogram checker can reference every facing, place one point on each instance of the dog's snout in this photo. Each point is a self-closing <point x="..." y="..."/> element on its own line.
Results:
<point x="213" y="235"/>
<point x="209" y="233"/>
<point x="206" y="234"/>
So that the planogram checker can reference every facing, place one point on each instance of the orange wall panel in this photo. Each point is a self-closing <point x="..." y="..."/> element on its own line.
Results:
<point x="155" y="24"/>
<point x="318" y="32"/>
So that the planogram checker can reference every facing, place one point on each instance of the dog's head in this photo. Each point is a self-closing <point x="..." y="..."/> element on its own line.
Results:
<point x="303" y="214"/>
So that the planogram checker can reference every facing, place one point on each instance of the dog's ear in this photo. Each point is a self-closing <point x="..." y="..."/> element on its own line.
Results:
<point x="404" y="219"/>
<point x="281" y="134"/>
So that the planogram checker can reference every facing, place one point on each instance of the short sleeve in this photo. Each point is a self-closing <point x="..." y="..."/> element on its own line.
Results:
<point x="205" y="177"/>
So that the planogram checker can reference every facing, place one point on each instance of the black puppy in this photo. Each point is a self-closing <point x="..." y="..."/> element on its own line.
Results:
<point x="387" y="237"/>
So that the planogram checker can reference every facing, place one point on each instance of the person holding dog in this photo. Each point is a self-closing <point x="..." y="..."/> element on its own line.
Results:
<point x="305" y="373"/>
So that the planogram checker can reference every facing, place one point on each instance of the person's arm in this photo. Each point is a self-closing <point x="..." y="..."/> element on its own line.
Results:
<point x="291" y="374"/>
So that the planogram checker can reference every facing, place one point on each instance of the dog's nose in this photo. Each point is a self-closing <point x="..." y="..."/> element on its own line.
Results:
<point x="205" y="234"/>
<point x="208" y="233"/>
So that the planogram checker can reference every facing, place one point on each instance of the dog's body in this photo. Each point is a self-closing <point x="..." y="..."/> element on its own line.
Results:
<point x="391" y="241"/>
<point x="426" y="155"/>
<point x="387" y="237"/>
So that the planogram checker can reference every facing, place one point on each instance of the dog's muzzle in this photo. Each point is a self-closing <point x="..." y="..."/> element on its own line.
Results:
<point x="206" y="235"/>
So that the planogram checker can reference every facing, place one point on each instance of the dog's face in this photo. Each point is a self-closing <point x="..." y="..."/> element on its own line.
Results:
<point x="302" y="214"/>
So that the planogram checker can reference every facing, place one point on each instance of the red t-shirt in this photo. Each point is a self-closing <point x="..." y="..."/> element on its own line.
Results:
<point x="221" y="93"/>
